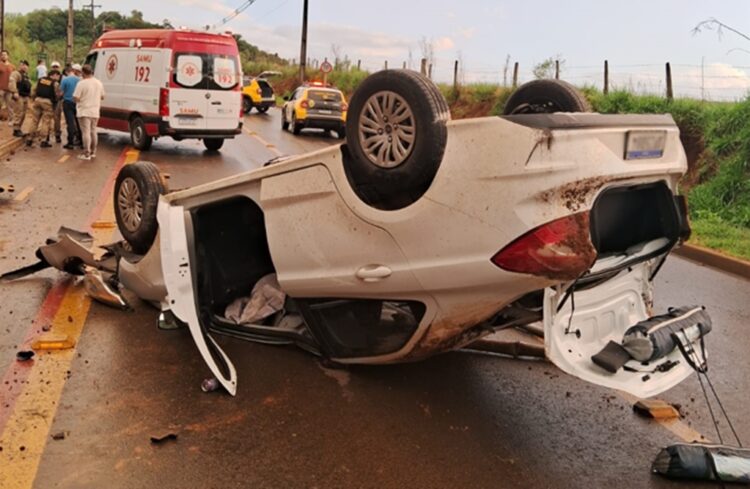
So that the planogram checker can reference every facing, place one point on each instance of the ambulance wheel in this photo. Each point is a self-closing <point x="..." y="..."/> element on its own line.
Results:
<point x="213" y="144"/>
<point x="139" y="138"/>
<point x="296" y="127"/>
<point x="247" y="105"/>
<point x="284" y="123"/>
<point x="263" y="109"/>
<point x="137" y="190"/>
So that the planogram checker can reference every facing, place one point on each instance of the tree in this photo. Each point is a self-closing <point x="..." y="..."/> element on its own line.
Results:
<point x="546" y="69"/>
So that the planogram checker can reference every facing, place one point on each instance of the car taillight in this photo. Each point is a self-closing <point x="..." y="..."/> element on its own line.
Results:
<point x="260" y="92"/>
<point x="560" y="249"/>
<point x="164" y="102"/>
<point x="304" y="104"/>
<point x="344" y="107"/>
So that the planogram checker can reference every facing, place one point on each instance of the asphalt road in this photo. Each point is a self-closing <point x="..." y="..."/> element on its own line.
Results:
<point x="457" y="420"/>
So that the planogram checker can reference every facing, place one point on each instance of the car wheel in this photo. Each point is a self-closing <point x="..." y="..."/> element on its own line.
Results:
<point x="263" y="109"/>
<point x="296" y="127"/>
<point x="396" y="135"/>
<point x="341" y="132"/>
<point x="247" y="105"/>
<point x="546" y="97"/>
<point x="139" y="138"/>
<point x="213" y="144"/>
<point x="137" y="190"/>
<point x="284" y="123"/>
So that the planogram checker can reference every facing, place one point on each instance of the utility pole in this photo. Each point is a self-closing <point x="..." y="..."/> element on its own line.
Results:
<point x="2" y="25"/>
<point x="91" y="6"/>
<point x="303" y="44"/>
<point x="69" y="45"/>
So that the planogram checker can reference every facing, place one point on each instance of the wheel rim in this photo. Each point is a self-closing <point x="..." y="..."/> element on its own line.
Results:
<point x="130" y="204"/>
<point x="387" y="129"/>
<point x="137" y="134"/>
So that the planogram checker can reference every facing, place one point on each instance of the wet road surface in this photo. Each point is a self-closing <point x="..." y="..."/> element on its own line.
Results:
<point x="457" y="420"/>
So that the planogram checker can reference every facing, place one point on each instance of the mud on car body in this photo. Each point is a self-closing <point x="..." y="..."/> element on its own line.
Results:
<point x="420" y="235"/>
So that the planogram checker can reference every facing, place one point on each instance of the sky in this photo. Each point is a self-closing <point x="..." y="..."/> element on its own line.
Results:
<point x="636" y="37"/>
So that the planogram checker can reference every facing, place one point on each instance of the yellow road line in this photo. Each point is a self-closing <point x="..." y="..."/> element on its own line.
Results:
<point x="265" y="143"/>
<point x="27" y="430"/>
<point x="677" y="427"/>
<point x="63" y="158"/>
<point x="21" y="196"/>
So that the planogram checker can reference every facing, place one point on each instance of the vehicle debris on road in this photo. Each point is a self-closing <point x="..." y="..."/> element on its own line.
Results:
<point x="703" y="462"/>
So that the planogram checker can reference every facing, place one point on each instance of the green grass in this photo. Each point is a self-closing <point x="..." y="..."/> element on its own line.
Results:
<point x="711" y="231"/>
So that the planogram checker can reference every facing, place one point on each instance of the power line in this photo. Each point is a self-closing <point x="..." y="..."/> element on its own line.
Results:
<point x="234" y="14"/>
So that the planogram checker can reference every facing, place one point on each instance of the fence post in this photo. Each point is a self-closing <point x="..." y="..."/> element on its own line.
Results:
<point x="423" y="66"/>
<point x="670" y="93"/>
<point x="359" y="65"/>
<point x="385" y="66"/>
<point x="404" y="66"/>
<point x="429" y="72"/>
<point x="455" y="75"/>
<point x="515" y="75"/>
<point x="606" y="77"/>
<point x="557" y="69"/>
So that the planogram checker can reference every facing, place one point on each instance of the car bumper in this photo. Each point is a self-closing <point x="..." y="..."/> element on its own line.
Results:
<point x="322" y="122"/>
<point x="166" y="130"/>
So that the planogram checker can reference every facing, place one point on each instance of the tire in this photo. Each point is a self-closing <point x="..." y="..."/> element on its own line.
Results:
<point x="139" y="183"/>
<point x="247" y="105"/>
<point x="138" y="136"/>
<point x="296" y="128"/>
<point x="546" y="97"/>
<point x="341" y="132"/>
<point x="284" y="123"/>
<point x="213" y="144"/>
<point x="263" y="109"/>
<point x="401" y="160"/>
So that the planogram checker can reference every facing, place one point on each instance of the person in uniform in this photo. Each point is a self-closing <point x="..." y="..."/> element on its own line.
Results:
<point x="57" y="115"/>
<point x="19" y="86"/>
<point x="39" y="119"/>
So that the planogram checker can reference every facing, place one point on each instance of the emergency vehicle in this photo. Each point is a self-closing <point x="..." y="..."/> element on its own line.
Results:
<point x="161" y="82"/>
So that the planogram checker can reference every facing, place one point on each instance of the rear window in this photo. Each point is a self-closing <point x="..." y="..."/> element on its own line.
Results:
<point x="324" y="96"/>
<point x="206" y="71"/>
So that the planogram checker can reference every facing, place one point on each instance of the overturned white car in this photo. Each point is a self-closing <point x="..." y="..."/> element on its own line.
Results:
<point x="420" y="235"/>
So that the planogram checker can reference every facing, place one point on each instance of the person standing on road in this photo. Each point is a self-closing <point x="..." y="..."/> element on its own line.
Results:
<point x="68" y="87"/>
<point x="41" y="69"/>
<point x="19" y="86"/>
<point x="57" y="115"/>
<point x="88" y="96"/>
<point x="38" y="124"/>
<point x="6" y="68"/>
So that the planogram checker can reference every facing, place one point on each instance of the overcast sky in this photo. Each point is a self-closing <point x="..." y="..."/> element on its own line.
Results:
<point x="637" y="37"/>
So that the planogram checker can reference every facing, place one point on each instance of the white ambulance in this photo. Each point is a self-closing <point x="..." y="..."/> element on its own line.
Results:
<point x="178" y="83"/>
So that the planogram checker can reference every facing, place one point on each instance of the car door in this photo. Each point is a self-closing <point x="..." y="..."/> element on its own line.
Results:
<point x="224" y="99"/>
<point x="188" y="101"/>
<point x="341" y="268"/>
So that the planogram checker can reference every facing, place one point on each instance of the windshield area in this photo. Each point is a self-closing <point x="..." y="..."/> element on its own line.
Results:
<point x="206" y="71"/>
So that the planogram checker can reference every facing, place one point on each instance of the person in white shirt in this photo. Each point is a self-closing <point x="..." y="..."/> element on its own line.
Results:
<point x="88" y="96"/>
<point x="41" y="69"/>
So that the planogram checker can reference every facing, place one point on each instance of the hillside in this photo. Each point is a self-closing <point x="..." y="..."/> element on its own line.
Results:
<point x="43" y="33"/>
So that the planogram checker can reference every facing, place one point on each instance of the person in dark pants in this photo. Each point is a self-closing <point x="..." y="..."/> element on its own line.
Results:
<point x="68" y="87"/>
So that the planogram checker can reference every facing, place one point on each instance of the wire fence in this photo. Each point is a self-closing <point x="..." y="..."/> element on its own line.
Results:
<point x="709" y="81"/>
